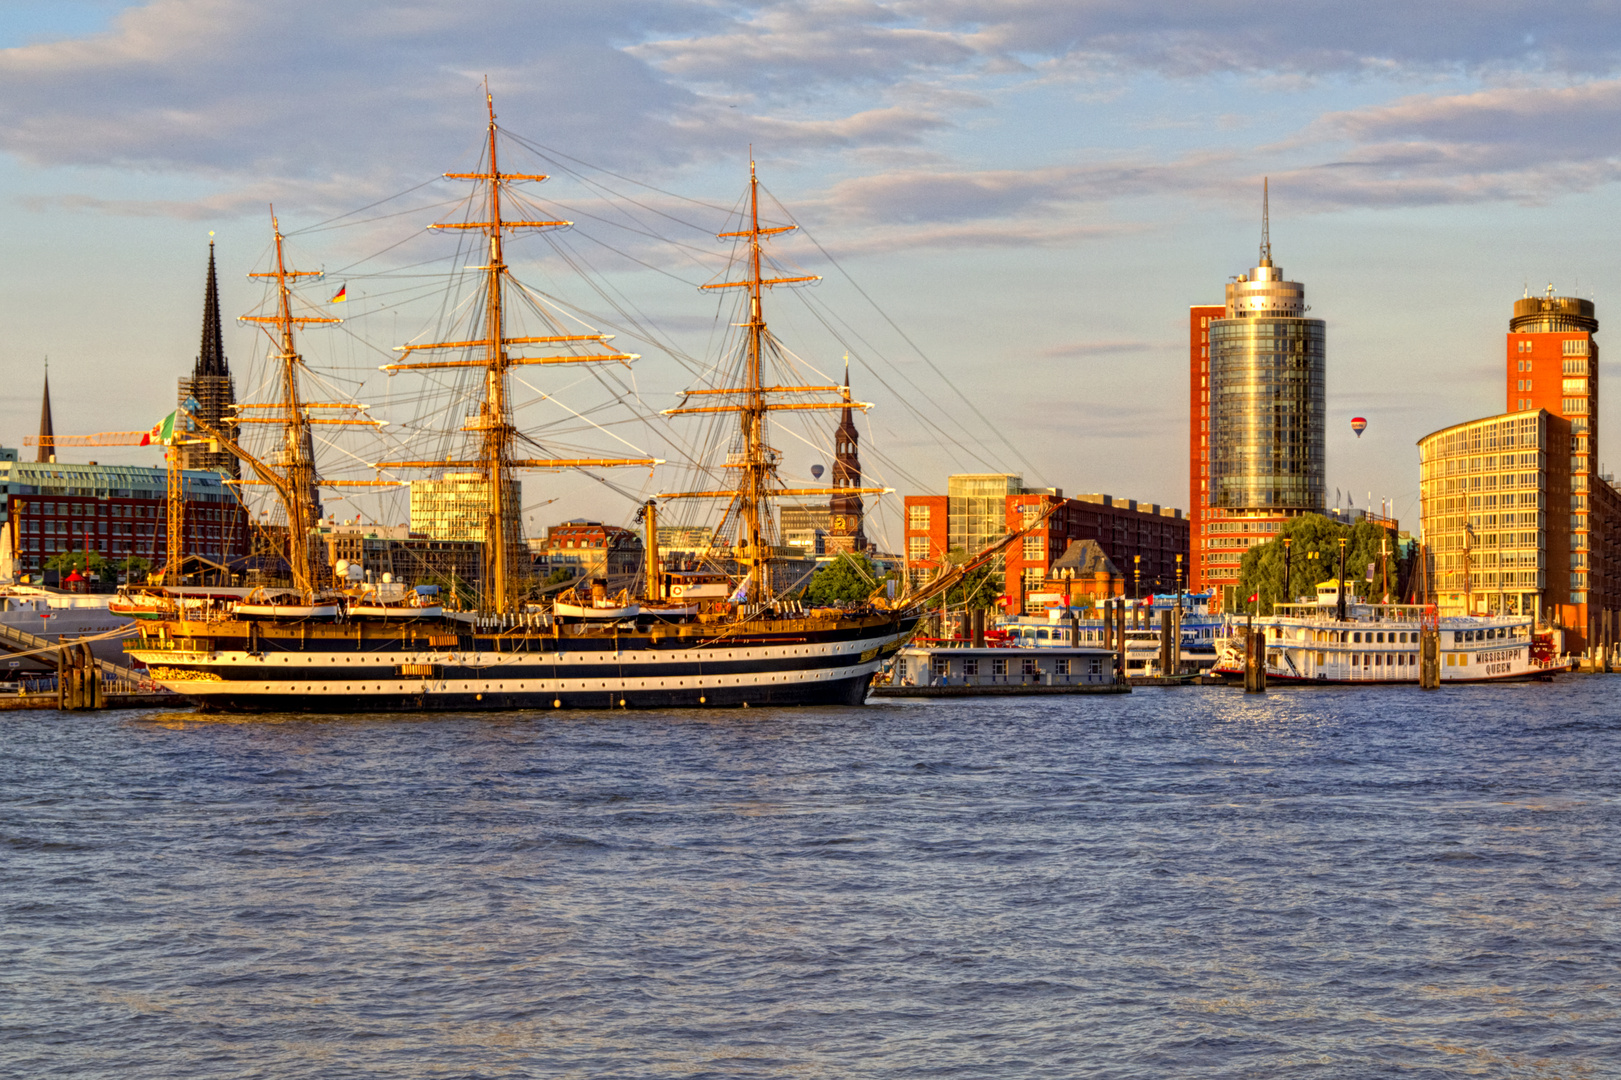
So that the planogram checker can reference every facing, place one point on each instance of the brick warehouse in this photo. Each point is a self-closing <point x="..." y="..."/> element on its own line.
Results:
<point x="1143" y="540"/>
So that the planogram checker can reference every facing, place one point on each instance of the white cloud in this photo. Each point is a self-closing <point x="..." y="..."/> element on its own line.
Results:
<point x="338" y="104"/>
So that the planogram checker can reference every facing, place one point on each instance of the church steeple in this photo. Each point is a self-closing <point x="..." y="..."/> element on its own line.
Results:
<point x="846" y="511"/>
<point x="211" y="357"/>
<point x="47" y="433"/>
<point x="210" y="383"/>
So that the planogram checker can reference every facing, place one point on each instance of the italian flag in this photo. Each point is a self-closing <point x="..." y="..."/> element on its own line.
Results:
<point x="162" y="432"/>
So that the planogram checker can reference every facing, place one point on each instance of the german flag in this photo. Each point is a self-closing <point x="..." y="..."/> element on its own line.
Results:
<point x="343" y="294"/>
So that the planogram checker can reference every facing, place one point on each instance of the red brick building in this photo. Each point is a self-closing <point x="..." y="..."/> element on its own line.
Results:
<point x="1551" y="362"/>
<point x="593" y="549"/>
<point x="1200" y="317"/>
<point x="927" y="540"/>
<point x="1147" y="542"/>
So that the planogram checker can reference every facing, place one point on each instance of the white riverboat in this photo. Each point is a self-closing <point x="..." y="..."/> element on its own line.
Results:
<point x="1379" y="643"/>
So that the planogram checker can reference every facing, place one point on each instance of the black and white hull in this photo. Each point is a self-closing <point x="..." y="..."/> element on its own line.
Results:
<point x="371" y="666"/>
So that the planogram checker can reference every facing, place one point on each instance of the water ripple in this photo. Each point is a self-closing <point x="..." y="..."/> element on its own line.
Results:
<point x="1344" y="883"/>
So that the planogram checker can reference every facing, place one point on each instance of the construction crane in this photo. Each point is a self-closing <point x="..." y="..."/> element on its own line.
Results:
<point x="175" y="521"/>
<point x="175" y="487"/>
<point x="101" y="438"/>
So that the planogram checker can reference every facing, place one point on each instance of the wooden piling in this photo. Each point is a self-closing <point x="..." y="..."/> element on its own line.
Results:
<point x="1429" y="658"/>
<point x="1254" y="661"/>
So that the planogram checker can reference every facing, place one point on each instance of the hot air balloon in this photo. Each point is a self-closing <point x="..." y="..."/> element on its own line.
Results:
<point x="1358" y="425"/>
<point x="816" y="471"/>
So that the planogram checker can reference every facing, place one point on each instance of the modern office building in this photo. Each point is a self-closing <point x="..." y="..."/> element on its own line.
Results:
<point x="977" y="510"/>
<point x="1552" y="364"/>
<point x="804" y="527"/>
<point x="1264" y="380"/>
<point x="1494" y="496"/>
<point x="455" y="506"/>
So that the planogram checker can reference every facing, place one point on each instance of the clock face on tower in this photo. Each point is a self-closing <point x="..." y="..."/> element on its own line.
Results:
<point x="838" y="523"/>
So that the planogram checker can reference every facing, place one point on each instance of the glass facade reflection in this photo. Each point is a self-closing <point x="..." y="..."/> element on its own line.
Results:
<point x="1268" y="413"/>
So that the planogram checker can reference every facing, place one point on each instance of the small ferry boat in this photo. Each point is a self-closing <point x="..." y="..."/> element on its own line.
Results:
<point x="1200" y="631"/>
<point x="950" y="670"/>
<point x="1379" y="643"/>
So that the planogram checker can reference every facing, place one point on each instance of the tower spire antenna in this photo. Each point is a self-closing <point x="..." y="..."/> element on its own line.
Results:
<point x="1266" y="223"/>
<point x="47" y="431"/>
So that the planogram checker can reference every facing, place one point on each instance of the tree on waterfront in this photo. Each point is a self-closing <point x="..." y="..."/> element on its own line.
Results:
<point x="1313" y="533"/>
<point x="979" y="590"/>
<point x="65" y="562"/>
<point x="848" y="579"/>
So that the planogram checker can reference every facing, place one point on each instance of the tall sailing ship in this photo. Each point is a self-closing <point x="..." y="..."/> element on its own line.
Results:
<point x="332" y="644"/>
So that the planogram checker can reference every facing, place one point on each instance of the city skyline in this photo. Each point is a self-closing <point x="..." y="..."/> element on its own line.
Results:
<point x="1076" y="197"/>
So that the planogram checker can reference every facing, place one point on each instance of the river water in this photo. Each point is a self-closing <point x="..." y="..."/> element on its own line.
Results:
<point x="1182" y="882"/>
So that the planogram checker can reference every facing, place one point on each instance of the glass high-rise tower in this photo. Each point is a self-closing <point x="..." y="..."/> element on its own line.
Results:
<point x="1263" y="379"/>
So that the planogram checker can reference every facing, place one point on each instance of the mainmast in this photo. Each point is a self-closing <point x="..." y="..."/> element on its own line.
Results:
<point x="503" y="571"/>
<point x="759" y="460"/>
<point x="756" y="461"/>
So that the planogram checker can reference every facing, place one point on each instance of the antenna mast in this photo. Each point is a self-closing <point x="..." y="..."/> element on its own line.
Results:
<point x="1266" y="223"/>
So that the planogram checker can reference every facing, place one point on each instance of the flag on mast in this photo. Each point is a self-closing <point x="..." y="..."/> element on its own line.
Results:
<point x="162" y="432"/>
<point x="343" y="294"/>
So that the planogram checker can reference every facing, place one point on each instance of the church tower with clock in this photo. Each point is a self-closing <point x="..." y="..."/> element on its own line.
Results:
<point x="845" y="510"/>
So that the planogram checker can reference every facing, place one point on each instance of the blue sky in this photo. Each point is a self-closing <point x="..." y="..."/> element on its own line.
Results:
<point x="1034" y="192"/>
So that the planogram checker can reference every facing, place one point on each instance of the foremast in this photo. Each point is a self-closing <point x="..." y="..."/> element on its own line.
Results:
<point x="504" y="579"/>
<point x="291" y="471"/>
<point x="297" y="485"/>
<point x="296" y="452"/>
<point x="756" y="460"/>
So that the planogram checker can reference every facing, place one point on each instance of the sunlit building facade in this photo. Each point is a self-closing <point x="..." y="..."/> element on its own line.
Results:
<point x="1552" y="363"/>
<point x="456" y="506"/>
<point x="1494" y="494"/>
<point x="1259" y="420"/>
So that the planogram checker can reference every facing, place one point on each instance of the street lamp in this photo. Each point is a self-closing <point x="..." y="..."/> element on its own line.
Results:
<point x="1341" y="611"/>
<point x="1137" y="571"/>
<point x="1288" y="597"/>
